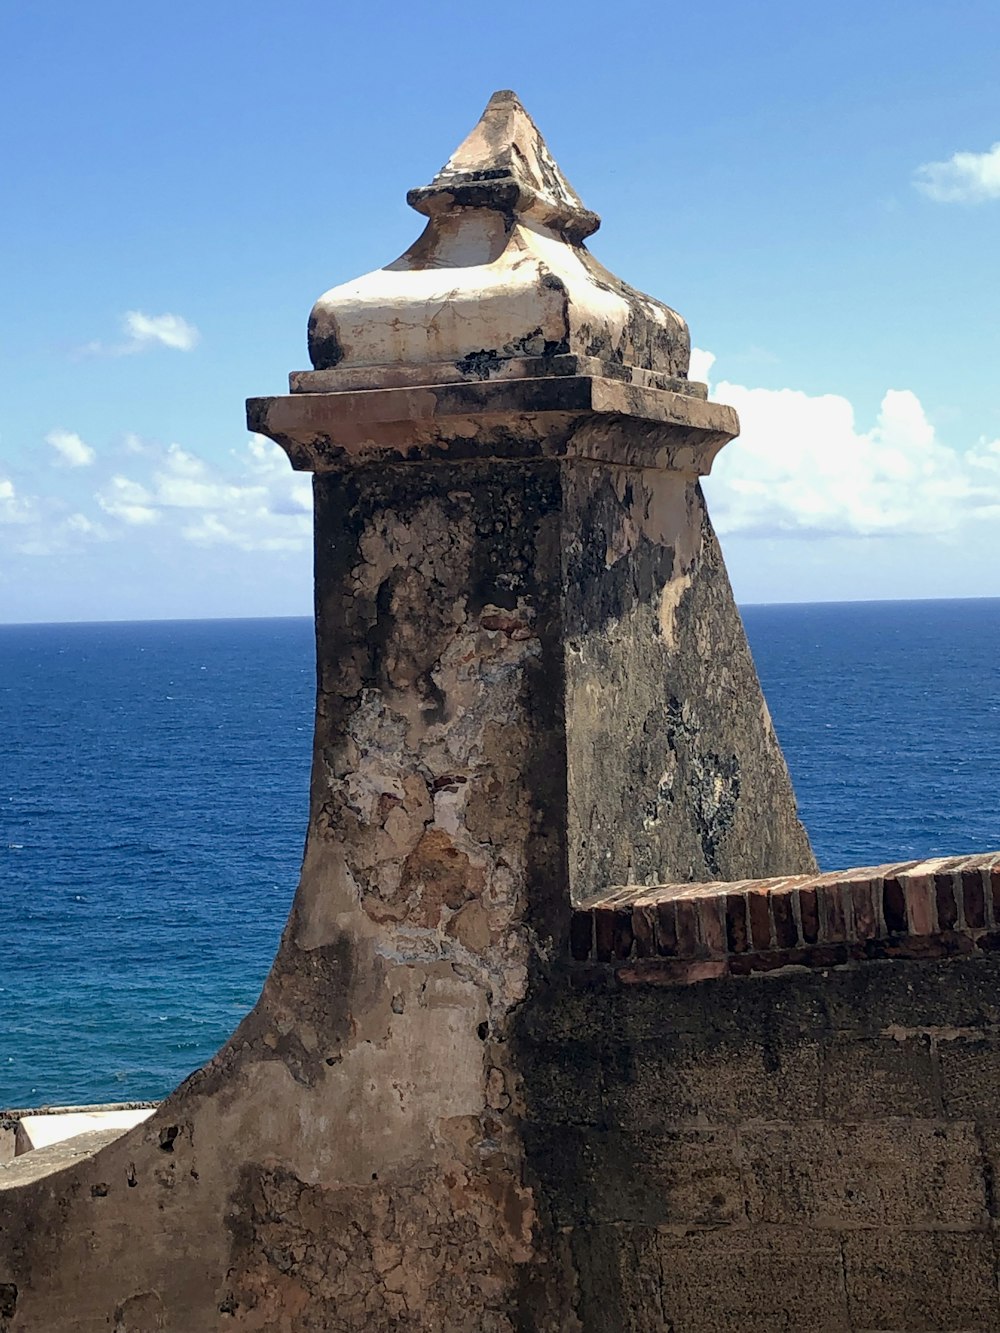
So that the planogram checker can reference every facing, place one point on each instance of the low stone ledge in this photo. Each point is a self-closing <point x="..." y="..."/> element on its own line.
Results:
<point x="28" y="1130"/>
<point x="18" y="1113"/>
<point x="676" y="934"/>
<point x="40" y="1162"/>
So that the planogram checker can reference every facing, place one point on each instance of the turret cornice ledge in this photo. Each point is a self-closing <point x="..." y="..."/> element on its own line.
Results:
<point x="583" y="417"/>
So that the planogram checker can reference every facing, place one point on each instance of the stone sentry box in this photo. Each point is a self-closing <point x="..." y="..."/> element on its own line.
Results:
<point x="510" y="531"/>
<point x="461" y="1103"/>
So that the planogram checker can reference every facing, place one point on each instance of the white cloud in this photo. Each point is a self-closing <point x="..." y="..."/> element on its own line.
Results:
<point x="184" y="482"/>
<point x="160" y="330"/>
<point x="701" y="364"/>
<point x="16" y="511"/>
<point x="965" y="178"/>
<point x="8" y="501"/>
<point x="210" y="530"/>
<point x="802" y="467"/>
<point x="288" y="492"/>
<point x="51" y="534"/>
<point x="38" y="525"/>
<point x="129" y="501"/>
<point x="143" y="332"/>
<point x="70" y="448"/>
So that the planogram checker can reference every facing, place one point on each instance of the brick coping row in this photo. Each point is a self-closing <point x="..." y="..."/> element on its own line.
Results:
<point x="673" y="934"/>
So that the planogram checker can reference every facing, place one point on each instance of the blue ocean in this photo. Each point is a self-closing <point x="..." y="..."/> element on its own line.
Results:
<point x="153" y="785"/>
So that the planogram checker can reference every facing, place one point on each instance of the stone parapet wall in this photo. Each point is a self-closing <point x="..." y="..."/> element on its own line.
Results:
<point x="801" y="1151"/>
<point x="683" y="933"/>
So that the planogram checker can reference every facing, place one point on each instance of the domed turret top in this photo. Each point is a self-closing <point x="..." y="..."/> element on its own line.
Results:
<point x="499" y="286"/>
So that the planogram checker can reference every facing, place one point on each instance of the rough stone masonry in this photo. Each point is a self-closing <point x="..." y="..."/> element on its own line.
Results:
<point x="464" y="1103"/>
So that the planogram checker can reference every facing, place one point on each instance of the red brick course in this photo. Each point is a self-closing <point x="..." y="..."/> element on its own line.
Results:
<point x="674" y="934"/>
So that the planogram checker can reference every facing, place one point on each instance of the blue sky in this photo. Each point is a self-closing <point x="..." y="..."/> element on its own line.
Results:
<point x="183" y="181"/>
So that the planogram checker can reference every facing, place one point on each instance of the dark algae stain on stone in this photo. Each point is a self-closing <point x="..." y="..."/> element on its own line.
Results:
<point x="325" y="351"/>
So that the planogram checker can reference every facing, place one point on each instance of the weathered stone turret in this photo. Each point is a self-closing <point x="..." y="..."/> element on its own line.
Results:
<point x="566" y="541"/>
<point x="533" y="684"/>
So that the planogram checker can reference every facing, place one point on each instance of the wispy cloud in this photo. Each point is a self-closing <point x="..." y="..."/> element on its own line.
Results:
<point x="36" y="525"/>
<point x="145" y="504"/>
<point x="144" y="332"/>
<point x="965" y="178"/>
<point x="256" y="504"/>
<point x="70" y="448"/>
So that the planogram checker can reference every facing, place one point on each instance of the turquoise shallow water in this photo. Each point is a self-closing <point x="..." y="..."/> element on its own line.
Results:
<point x="153" y="782"/>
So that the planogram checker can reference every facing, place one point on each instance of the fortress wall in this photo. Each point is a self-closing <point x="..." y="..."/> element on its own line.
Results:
<point x="801" y="1150"/>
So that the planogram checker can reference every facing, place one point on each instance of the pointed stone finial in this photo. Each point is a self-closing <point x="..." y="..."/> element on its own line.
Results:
<point x="506" y="164"/>
<point x="499" y="286"/>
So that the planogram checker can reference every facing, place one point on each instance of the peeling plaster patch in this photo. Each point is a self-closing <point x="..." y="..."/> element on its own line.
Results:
<point x="436" y="876"/>
<point x="142" y="1313"/>
<point x="319" y="916"/>
<point x="659" y="508"/>
<point x="768" y="724"/>
<point x="660" y="804"/>
<point x="670" y="600"/>
<point x="660" y="505"/>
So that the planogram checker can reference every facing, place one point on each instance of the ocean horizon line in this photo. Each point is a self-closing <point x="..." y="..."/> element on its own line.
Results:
<point x="223" y="620"/>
